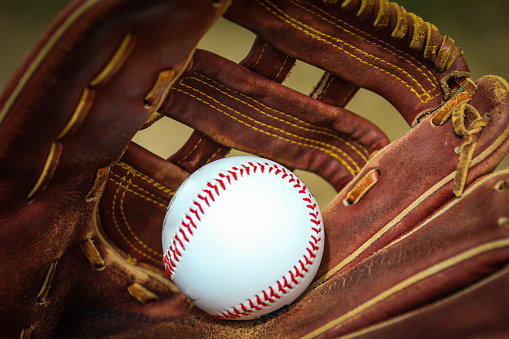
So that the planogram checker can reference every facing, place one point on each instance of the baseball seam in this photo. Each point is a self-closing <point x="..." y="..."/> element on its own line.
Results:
<point x="208" y="195"/>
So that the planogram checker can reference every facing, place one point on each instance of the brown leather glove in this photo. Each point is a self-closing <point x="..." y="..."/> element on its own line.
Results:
<point x="417" y="239"/>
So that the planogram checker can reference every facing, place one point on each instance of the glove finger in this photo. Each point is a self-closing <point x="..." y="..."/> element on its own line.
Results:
<point x="198" y="151"/>
<point x="375" y="45"/>
<point x="413" y="177"/>
<point x="268" y="61"/>
<point x="272" y="64"/>
<point x="240" y="109"/>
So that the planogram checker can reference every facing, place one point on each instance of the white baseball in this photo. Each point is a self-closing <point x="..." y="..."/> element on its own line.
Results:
<point x="243" y="237"/>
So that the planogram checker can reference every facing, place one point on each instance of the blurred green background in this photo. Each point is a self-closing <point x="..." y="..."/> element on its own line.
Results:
<point x="480" y="28"/>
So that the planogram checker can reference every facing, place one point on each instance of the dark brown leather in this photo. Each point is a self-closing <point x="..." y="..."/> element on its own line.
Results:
<point x="82" y="206"/>
<point x="66" y="116"/>
<point x="443" y="272"/>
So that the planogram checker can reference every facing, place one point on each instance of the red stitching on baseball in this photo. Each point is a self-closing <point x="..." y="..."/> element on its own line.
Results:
<point x="213" y="190"/>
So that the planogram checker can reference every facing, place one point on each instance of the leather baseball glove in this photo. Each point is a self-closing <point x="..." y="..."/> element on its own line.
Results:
<point x="417" y="239"/>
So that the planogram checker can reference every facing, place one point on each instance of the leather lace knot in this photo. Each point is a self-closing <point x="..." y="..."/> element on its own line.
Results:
<point x="468" y="124"/>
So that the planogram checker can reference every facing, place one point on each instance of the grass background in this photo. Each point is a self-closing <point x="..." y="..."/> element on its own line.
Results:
<point x="480" y="28"/>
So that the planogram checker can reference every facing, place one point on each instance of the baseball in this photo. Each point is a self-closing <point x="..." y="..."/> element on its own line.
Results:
<point x="242" y="238"/>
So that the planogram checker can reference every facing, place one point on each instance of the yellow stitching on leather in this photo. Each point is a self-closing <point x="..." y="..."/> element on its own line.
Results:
<point x="117" y="226"/>
<point x="46" y="285"/>
<point x="325" y="150"/>
<point x="348" y="96"/>
<point x="213" y="155"/>
<point x="81" y="110"/>
<point x="380" y="43"/>
<point x="47" y="171"/>
<point x="116" y="61"/>
<point x="126" y="222"/>
<point x="412" y="280"/>
<point x="313" y="128"/>
<point x="43" y="52"/>
<point x="260" y="57"/>
<point x="159" y="203"/>
<point x="270" y="126"/>
<point x="281" y="68"/>
<point x="191" y="151"/>
<point x="138" y="271"/>
<point x="316" y="35"/>
<point x="146" y="178"/>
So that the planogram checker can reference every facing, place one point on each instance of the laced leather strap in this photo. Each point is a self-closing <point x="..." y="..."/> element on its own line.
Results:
<point x="471" y="135"/>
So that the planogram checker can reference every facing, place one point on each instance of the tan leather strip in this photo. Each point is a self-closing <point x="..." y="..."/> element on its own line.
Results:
<point x="366" y="9"/>
<point x="101" y="178"/>
<point x="363" y="186"/>
<point x="26" y="333"/>
<point x="467" y="151"/>
<point x="141" y="294"/>
<point x="401" y="28"/>
<point x="43" y="52"/>
<point x="47" y="171"/>
<point x="93" y="256"/>
<point x="455" y="54"/>
<point x="46" y="285"/>
<point x="442" y="114"/>
<point x="348" y="5"/>
<point x="81" y="111"/>
<point x="156" y="96"/>
<point x="393" y="320"/>
<point x="503" y="186"/>
<point x="419" y="34"/>
<point x="384" y="14"/>
<point x="410" y="281"/>
<point x="444" y="53"/>
<point x="432" y="42"/>
<point x="116" y="62"/>
<point x="390" y="225"/>
<point x="504" y="222"/>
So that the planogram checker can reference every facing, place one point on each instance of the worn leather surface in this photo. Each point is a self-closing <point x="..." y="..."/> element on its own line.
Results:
<point x="419" y="227"/>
